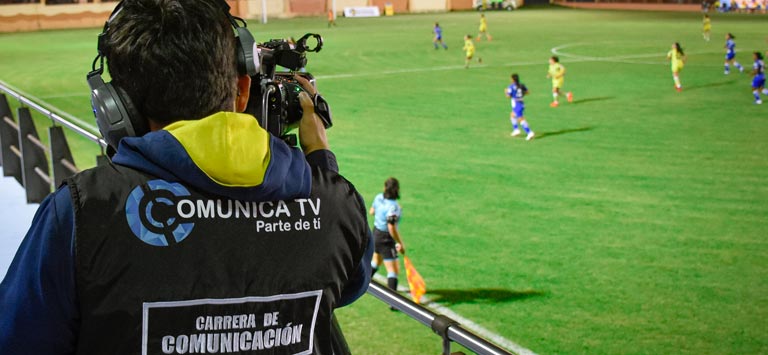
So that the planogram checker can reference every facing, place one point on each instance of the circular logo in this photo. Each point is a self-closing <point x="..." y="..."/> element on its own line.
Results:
<point x="152" y="215"/>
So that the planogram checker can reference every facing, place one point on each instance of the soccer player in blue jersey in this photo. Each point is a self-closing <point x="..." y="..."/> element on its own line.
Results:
<point x="515" y="92"/>
<point x="387" y="241"/>
<point x="758" y="80"/>
<point x="438" y="36"/>
<point x="730" y="54"/>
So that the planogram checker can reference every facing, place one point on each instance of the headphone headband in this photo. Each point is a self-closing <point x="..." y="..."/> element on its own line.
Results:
<point x="115" y="114"/>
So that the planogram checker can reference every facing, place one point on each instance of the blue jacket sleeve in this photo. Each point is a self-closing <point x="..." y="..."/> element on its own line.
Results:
<point x="38" y="306"/>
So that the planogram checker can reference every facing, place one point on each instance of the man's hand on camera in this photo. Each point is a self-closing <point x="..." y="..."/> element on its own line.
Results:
<point x="311" y="130"/>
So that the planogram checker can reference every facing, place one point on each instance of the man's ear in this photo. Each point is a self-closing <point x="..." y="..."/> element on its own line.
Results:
<point x="243" y="92"/>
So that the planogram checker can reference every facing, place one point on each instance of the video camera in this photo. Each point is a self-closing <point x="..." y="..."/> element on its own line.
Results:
<point x="274" y="96"/>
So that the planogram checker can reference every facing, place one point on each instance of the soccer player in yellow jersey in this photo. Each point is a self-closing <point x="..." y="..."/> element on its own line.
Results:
<point x="557" y="73"/>
<point x="677" y="59"/>
<point x="469" y="48"/>
<point x="707" y="29"/>
<point x="484" y="28"/>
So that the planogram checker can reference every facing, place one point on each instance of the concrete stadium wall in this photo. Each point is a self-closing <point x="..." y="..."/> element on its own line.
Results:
<point x="33" y="17"/>
<point x="36" y="16"/>
<point x="252" y="9"/>
<point x="632" y="6"/>
<point x="428" y="5"/>
<point x="460" y="5"/>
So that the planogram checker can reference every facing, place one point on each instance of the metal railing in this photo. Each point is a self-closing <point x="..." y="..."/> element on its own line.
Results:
<point x="25" y="158"/>
<point x="448" y="329"/>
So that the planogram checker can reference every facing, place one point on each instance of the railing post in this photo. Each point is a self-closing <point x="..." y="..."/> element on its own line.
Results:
<point x="61" y="157"/>
<point x="37" y="180"/>
<point x="9" y="142"/>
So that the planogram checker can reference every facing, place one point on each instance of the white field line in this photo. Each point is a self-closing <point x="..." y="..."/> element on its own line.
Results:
<point x="619" y="58"/>
<point x="573" y="58"/>
<point x="495" y="338"/>
<point x="418" y="70"/>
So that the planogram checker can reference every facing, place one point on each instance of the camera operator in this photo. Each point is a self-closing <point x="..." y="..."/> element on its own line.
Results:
<point x="206" y="234"/>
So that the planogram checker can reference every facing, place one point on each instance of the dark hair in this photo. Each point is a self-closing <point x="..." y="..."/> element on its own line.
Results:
<point x="515" y="78"/>
<point x="759" y="55"/>
<point x="679" y="49"/>
<point x="175" y="59"/>
<point x="731" y="36"/>
<point x="391" y="189"/>
<point x="555" y="58"/>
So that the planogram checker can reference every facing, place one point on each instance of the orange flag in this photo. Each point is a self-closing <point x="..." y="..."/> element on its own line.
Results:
<point x="415" y="281"/>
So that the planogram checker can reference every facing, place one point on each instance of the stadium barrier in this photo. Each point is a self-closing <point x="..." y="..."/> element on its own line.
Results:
<point x="25" y="158"/>
<point x="41" y="15"/>
<point x="448" y="329"/>
<point x="636" y="5"/>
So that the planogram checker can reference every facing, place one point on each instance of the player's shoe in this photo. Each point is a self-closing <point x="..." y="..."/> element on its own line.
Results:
<point x="679" y="88"/>
<point x="529" y="136"/>
<point x="569" y="95"/>
<point x="480" y="60"/>
<point x="554" y="104"/>
<point x="726" y="72"/>
<point x="765" y="91"/>
<point x="515" y="133"/>
<point x="759" y="102"/>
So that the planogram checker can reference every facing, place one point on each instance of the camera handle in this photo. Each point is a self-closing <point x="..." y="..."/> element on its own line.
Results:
<point x="265" y="104"/>
<point x="289" y="139"/>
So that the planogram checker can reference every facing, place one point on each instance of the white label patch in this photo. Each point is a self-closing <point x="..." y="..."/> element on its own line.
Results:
<point x="282" y="324"/>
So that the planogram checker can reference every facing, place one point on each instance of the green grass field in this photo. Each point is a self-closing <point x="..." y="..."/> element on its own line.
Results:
<point x="634" y="223"/>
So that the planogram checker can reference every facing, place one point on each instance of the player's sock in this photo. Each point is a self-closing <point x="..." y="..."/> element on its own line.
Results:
<point x="737" y="65"/>
<point x="392" y="280"/>
<point x="727" y="68"/>
<point x="445" y="46"/>
<point x="677" y="81"/>
<point x="525" y="126"/>
<point x="756" y="94"/>
<point x="374" y="268"/>
<point x="435" y="43"/>
<point x="514" y="123"/>
<point x="765" y="91"/>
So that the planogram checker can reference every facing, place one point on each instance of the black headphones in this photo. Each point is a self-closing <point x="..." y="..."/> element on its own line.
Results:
<point x="116" y="116"/>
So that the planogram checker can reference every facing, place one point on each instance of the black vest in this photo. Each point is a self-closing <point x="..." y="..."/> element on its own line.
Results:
<point x="164" y="269"/>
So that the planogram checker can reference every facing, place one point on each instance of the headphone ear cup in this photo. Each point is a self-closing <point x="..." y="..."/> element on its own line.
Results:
<point x="116" y="116"/>
<point x="136" y="120"/>
<point x="244" y="48"/>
